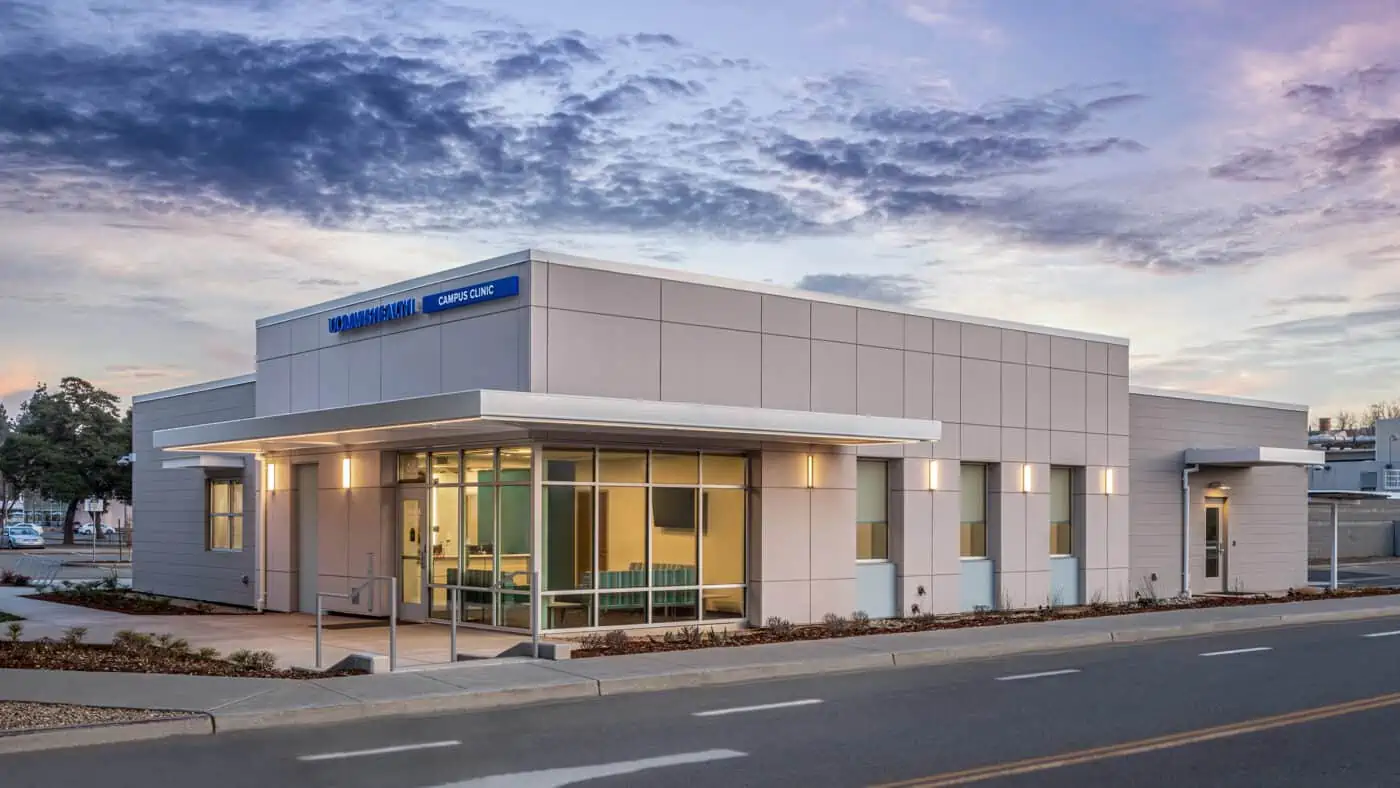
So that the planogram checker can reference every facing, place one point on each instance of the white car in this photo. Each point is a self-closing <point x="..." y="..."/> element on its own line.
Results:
<point x="86" y="530"/>
<point x="17" y="537"/>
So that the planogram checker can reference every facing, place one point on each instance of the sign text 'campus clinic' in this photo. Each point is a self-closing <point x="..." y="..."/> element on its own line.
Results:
<point x="472" y="294"/>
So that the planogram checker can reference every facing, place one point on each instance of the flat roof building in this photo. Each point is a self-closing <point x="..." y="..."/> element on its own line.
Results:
<point x="606" y="445"/>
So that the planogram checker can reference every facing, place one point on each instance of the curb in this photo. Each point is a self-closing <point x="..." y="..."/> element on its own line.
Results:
<point x="110" y="733"/>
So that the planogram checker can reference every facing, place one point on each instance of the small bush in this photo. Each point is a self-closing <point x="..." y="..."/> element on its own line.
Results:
<point x="719" y="637"/>
<point x="110" y="582"/>
<point x="1097" y="600"/>
<point x="835" y="625"/>
<point x="616" y="639"/>
<point x="133" y="641"/>
<point x="253" y="660"/>
<point x="10" y="577"/>
<point x="690" y="636"/>
<point x="779" y="626"/>
<point x="73" y="636"/>
<point x="860" y="621"/>
<point x="173" y="644"/>
<point x="207" y="653"/>
<point x="14" y="629"/>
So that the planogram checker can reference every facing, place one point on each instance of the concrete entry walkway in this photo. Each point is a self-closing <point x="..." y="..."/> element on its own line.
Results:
<point x="291" y="637"/>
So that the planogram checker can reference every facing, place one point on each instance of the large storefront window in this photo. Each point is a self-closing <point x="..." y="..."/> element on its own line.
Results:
<point x="634" y="537"/>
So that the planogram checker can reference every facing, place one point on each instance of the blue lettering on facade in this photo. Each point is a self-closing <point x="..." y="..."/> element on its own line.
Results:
<point x="473" y="294"/>
<point x="372" y="315"/>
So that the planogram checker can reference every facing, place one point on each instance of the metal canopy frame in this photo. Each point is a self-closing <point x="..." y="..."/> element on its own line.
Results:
<point x="1333" y="498"/>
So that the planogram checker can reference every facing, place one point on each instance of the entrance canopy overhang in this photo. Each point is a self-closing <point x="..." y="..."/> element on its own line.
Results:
<point x="1253" y="457"/>
<point x="482" y="414"/>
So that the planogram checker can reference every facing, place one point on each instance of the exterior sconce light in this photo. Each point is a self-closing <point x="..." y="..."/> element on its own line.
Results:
<point x="933" y="474"/>
<point x="271" y="477"/>
<point x="345" y="473"/>
<point x="1107" y="481"/>
<point x="1027" y="477"/>
<point x="1218" y="487"/>
<point x="811" y="471"/>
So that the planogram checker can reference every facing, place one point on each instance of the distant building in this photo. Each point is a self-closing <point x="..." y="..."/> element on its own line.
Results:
<point x="1357" y="460"/>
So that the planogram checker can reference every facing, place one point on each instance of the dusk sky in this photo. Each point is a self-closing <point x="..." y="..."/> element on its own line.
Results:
<point x="1217" y="179"/>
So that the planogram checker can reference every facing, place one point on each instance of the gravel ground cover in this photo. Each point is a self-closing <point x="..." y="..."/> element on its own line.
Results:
<point x="17" y="716"/>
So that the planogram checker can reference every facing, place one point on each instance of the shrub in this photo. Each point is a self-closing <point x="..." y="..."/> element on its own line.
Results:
<point x="73" y="636"/>
<point x="207" y="653"/>
<point x="10" y="577"/>
<point x="780" y="627"/>
<point x="690" y="636"/>
<point x="110" y="582"/>
<point x="133" y="641"/>
<point x="719" y="637"/>
<point x="15" y="629"/>
<point x="860" y="620"/>
<point x="253" y="660"/>
<point x="173" y="644"/>
<point x="835" y="624"/>
<point x="616" y="639"/>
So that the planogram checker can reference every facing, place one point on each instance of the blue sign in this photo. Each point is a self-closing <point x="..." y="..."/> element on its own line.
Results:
<point x="373" y="315"/>
<point x="473" y="294"/>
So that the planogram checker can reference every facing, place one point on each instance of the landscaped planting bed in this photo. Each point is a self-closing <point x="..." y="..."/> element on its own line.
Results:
<point x="833" y="626"/>
<point x="134" y="652"/>
<point x="107" y="595"/>
<point x="25" y="717"/>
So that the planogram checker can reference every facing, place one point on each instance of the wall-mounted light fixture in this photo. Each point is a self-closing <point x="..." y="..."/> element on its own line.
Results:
<point x="1027" y="477"/>
<point x="271" y="477"/>
<point x="1217" y="487"/>
<point x="1107" y="481"/>
<point x="345" y="473"/>
<point x="933" y="474"/>
<point x="811" y="471"/>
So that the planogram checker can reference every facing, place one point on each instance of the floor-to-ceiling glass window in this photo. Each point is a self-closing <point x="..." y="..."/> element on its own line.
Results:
<point x="636" y="537"/>
<point x="480" y="530"/>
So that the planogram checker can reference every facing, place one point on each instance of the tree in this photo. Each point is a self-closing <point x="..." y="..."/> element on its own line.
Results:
<point x="1345" y="420"/>
<point x="68" y="445"/>
<point x="9" y="492"/>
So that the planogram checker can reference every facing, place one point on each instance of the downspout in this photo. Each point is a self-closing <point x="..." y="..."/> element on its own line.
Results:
<point x="1186" y="529"/>
<point x="260" y="571"/>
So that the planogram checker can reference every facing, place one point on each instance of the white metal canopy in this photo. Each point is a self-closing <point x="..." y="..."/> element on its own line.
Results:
<point x="1254" y="457"/>
<point x="489" y="412"/>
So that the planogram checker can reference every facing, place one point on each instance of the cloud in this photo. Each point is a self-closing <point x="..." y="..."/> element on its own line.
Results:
<point x="952" y="16"/>
<point x="888" y="288"/>
<point x="1310" y="299"/>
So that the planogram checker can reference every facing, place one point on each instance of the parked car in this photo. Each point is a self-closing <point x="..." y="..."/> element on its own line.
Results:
<point x="23" y="536"/>
<point x="86" y="529"/>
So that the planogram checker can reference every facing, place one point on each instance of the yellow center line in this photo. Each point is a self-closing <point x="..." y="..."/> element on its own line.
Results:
<point x="1030" y="765"/>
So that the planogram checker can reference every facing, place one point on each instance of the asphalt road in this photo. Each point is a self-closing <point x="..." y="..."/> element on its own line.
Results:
<point x="1127" y="715"/>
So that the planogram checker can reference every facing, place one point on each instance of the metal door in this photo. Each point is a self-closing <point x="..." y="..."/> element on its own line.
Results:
<point x="412" y="553"/>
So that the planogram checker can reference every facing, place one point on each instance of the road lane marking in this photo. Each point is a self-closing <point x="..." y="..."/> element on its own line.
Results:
<point x="764" y="707"/>
<point x="335" y="756"/>
<point x="1382" y="634"/>
<point x="1182" y="739"/>
<point x="1234" y="651"/>
<point x="1040" y="675"/>
<point x="555" y="778"/>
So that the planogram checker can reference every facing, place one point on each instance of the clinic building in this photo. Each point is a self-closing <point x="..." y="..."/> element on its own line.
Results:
<point x="607" y="445"/>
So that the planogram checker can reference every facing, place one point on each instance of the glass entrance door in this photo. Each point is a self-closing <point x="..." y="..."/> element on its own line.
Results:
<point x="1215" y="546"/>
<point x="413" y="510"/>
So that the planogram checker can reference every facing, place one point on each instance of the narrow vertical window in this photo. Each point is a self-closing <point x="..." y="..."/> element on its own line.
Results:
<point x="225" y="522"/>
<point x="973" y="539"/>
<point x="872" y="502"/>
<point x="1061" y="519"/>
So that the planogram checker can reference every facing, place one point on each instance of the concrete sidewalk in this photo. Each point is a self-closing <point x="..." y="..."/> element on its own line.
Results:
<point x="227" y="704"/>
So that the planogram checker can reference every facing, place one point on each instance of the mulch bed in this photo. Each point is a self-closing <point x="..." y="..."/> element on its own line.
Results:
<point x="686" y="639"/>
<point x="135" y="603"/>
<point x="102" y="658"/>
<point x="22" y="717"/>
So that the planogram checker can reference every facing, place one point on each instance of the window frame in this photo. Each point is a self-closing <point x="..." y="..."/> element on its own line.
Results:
<point x="211" y="516"/>
<point x="1068" y="524"/>
<point x="962" y="524"/>
<point x="884" y="465"/>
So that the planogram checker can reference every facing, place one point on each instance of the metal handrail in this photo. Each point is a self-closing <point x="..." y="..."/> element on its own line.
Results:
<point x="354" y="592"/>
<point x="495" y="587"/>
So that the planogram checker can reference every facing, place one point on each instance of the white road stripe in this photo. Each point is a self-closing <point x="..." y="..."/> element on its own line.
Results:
<point x="553" y="778"/>
<point x="765" y="707"/>
<point x="1237" y="651"/>
<point x="1382" y="634"/>
<point x="1038" y="675"/>
<point x="334" y="756"/>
